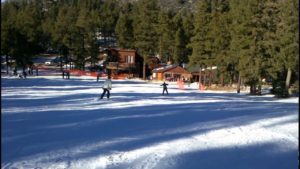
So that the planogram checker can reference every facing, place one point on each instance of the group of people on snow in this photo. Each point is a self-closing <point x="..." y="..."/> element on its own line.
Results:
<point x="66" y="73"/>
<point x="28" y="71"/>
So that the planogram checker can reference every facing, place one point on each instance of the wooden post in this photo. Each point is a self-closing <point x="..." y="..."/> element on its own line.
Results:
<point x="204" y="80"/>
<point x="239" y="84"/>
<point x="210" y="76"/>
<point x="288" y="80"/>
<point x="200" y="79"/>
<point x="144" y="70"/>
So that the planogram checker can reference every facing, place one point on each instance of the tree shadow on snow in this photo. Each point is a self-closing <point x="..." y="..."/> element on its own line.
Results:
<point x="96" y="126"/>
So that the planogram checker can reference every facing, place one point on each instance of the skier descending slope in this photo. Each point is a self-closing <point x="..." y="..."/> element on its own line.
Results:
<point x="106" y="87"/>
<point x="164" y="88"/>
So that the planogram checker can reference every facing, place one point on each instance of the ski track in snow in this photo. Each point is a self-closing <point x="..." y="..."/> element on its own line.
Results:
<point x="280" y="131"/>
<point x="149" y="157"/>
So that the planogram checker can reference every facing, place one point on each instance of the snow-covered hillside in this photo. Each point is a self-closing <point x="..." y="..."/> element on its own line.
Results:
<point x="49" y="122"/>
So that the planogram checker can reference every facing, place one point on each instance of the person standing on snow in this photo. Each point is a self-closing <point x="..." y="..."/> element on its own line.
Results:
<point x="24" y="74"/>
<point x="106" y="87"/>
<point x="164" y="88"/>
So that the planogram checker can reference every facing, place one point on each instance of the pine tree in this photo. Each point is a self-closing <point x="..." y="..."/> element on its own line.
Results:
<point x="201" y="42"/>
<point x="258" y="51"/>
<point x="124" y="28"/>
<point x="166" y="31"/>
<point x="145" y="29"/>
<point x="50" y="11"/>
<point x="64" y="31"/>
<point x="179" y="53"/>
<point x="81" y="29"/>
<point x="288" y="39"/>
<point x="188" y="26"/>
<point x="240" y="37"/>
<point x="91" y="37"/>
<point x="181" y="39"/>
<point x="109" y="12"/>
<point x="201" y="28"/>
<point x="8" y="13"/>
<point x="220" y="36"/>
<point x="26" y="33"/>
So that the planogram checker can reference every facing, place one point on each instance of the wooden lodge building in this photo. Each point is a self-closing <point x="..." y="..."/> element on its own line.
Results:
<point x="127" y="63"/>
<point x="124" y="63"/>
<point x="207" y="74"/>
<point x="171" y="73"/>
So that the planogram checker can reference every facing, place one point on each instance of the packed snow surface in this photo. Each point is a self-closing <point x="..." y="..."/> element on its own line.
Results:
<point x="54" y="123"/>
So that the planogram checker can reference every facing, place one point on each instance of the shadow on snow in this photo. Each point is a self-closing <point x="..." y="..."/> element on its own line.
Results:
<point x="26" y="134"/>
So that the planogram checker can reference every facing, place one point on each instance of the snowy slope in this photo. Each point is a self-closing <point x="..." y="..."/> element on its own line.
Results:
<point x="49" y="122"/>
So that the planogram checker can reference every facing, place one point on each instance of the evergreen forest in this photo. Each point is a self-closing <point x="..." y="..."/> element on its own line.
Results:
<point x="249" y="41"/>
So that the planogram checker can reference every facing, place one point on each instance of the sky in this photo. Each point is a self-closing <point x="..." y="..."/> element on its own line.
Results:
<point x="50" y="122"/>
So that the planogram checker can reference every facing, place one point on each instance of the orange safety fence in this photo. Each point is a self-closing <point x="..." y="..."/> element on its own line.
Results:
<point x="120" y="76"/>
<point x="77" y="72"/>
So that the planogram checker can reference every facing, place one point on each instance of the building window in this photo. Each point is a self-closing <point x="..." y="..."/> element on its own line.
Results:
<point x="154" y="75"/>
<point x="130" y="59"/>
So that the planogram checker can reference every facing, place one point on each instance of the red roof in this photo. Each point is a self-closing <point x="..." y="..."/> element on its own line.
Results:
<point x="170" y="68"/>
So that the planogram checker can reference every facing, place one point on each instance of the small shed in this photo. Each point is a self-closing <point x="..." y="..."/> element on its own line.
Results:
<point x="171" y="73"/>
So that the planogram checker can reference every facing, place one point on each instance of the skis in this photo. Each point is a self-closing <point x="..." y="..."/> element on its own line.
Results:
<point x="104" y="99"/>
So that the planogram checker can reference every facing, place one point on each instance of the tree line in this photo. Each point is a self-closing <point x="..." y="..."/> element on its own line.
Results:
<point x="249" y="41"/>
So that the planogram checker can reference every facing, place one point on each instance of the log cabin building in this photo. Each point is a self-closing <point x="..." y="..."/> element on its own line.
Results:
<point x="171" y="73"/>
<point x="124" y="63"/>
<point x="208" y="74"/>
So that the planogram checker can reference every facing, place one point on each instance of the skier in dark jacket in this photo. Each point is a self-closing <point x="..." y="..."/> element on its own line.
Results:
<point x="24" y="74"/>
<point x="165" y="88"/>
<point x="98" y="76"/>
